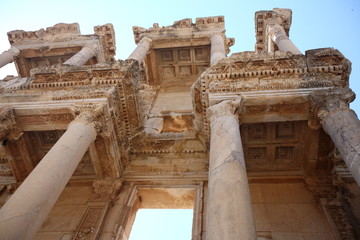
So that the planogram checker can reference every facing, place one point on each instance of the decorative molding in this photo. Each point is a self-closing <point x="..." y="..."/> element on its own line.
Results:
<point x="106" y="190"/>
<point x="326" y="101"/>
<point x="282" y="17"/>
<point x="224" y="108"/>
<point x="59" y="31"/>
<point x="91" y="223"/>
<point x="107" y="36"/>
<point x="9" y="128"/>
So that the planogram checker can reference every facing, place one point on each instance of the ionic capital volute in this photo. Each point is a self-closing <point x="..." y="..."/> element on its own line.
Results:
<point x="224" y="108"/>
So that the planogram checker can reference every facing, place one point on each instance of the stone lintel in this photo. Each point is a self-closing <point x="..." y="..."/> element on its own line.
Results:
<point x="182" y="28"/>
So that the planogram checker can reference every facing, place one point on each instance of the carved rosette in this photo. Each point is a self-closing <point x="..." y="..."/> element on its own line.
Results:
<point x="224" y="108"/>
<point x="326" y="101"/>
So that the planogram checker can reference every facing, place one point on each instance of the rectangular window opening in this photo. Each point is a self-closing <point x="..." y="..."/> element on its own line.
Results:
<point x="164" y="213"/>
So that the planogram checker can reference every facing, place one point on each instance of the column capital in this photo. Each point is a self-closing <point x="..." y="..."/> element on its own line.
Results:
<point x="93" y="46"/>
<point x="141" y="50"/>
<point x="276" y="32"/>
<point x="325" y="101"/>
<point x="224" y="108"/>
<point x="146" y="40"/>
<point x="8" y="127"/>
<point x="92" y="114"/>
<point x="14" y="51"/>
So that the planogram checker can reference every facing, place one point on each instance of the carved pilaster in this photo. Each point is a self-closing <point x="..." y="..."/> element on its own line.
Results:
<point x="329" y="197"/>
<point x="92" y="222"/>
<point x="8" y="127"/>
<point x="106" y="190"/>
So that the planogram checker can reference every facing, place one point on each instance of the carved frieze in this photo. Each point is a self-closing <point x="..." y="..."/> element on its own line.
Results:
<point x="276" y="108"/>
<point x="61" y="118"/>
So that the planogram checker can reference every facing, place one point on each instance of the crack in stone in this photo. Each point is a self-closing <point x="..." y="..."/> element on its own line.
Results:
<point x="27" y="215"/>
<point x="234" y="156"/>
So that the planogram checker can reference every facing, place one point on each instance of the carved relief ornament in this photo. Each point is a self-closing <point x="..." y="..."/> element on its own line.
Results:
<point x="326" y="101"/>
<point x="8" y="126"/>
<point x="224" y="108"/>
<point x="106" y="190"/>
<point x="94" y="114"/>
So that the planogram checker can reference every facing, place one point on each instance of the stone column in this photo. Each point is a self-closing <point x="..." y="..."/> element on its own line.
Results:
<point x="141" y="50"/>
<point x="80" y="58"/>
<point x="8" y="56"/>
<point x="229" y="209"/>
<point x="23" y="214"/>
<point x="217" y="48"/>
<point x="342" y="125"/>
<point x="278" y="35"/>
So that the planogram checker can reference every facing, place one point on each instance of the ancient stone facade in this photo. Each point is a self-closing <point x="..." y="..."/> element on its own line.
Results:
<point x="260" y="144"/>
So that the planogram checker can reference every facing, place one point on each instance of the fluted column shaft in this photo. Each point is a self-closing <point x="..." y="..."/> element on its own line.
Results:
<point x="278" y="35"/>
<point x="343" y="126"/>
<point x="229" y="210"/>
<point x="217" y="48"/>
<point x="23" y="214"/>
<point x="141" y="50"/>
<point x="8" y="56"/>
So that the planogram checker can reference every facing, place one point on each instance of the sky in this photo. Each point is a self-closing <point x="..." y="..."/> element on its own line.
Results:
<point x="315" y="24"/>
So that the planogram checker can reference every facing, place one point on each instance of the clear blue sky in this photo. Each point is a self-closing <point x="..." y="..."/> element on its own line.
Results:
<point x="316" y="23"/>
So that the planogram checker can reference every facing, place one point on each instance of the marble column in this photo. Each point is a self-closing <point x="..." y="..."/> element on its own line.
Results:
<point x="229" y="209"/>
<point x="80" y="58"/>
<point x="278" y="35"/>
<point x="141" y="50"/>
<point x="217" y="48"/>
<point x="23" y="214"/>
<point x="8" y="56"/>
<point x="343" y="126"/>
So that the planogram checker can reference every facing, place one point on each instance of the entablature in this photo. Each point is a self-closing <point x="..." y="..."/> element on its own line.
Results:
<point x="55" y="45"/>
